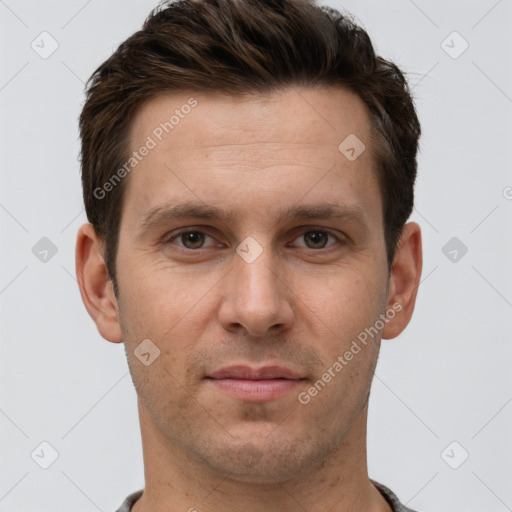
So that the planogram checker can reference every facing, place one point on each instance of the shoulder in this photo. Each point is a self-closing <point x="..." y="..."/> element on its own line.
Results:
<point x="391" y="498"/>
<point x="129" y="502"/>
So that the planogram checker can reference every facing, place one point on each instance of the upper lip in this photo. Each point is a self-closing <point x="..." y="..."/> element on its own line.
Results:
<point x="251" y="373"/>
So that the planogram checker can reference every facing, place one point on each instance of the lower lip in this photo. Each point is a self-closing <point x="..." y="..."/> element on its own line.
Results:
<point x="256" y="390"/>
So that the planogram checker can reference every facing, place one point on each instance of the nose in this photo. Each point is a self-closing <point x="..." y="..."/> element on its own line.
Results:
<point x="256" y="297"/>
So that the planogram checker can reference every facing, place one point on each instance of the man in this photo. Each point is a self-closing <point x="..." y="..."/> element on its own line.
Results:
<point x="248" y="171"/>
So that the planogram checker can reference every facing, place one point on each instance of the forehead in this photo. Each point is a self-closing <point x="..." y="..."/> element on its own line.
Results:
<point x="255" y="146"/>
<point x="298" y="115"/>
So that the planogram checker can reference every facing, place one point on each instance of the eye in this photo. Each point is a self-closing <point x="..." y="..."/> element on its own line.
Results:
<point x="190" y="239"/>
<point x="317" y="239"/>
<point x="195" y="239"/>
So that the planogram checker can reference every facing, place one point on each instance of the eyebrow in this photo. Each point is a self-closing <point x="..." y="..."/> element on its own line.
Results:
<point x="196" y="210"/>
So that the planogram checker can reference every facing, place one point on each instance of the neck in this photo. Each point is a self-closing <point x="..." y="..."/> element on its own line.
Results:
<point x="175" y="481"/>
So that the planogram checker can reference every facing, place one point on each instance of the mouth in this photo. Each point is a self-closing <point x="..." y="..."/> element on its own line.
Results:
<point x="256" y="384"/>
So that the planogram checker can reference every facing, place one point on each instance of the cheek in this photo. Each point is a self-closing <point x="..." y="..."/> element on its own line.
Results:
<point x="170" y="308"/>
<point x="343" y="304"/>
<point x="337" y="315"/>
<point x="163" y="294"/>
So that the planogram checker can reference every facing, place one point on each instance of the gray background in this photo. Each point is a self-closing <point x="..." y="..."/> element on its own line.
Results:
<point x="446" y="379"/>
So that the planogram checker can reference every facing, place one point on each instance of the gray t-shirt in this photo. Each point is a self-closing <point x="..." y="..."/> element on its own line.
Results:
<point x="391" y="498"/>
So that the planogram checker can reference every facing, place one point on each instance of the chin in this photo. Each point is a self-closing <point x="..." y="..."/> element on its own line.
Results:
<point x="262" y="460"/>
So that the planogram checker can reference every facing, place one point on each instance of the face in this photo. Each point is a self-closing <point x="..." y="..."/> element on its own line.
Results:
<point x="252" y="256"/>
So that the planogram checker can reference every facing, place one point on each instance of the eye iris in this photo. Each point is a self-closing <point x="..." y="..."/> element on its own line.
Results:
<point x="318" y="239"/>
<point x="314" y="239"/>
<point x="193" y="239"/>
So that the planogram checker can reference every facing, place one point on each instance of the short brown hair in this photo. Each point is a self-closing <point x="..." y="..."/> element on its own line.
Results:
<point x="239" y="47"/>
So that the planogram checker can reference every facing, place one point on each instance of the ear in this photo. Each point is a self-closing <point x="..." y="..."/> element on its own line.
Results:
<point x="96" y="288"/>
<point x="404" y="280"/>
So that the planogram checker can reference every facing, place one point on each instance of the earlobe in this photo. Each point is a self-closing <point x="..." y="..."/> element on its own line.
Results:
<point x="404" y="280"/>
<point x="95" y="286"/>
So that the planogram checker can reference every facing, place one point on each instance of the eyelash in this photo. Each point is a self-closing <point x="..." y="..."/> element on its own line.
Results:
<point x="168" y="241"/>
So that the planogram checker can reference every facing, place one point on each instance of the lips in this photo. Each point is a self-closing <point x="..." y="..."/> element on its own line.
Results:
<point x="255" y="384"/>
<point x="249" y="373"/>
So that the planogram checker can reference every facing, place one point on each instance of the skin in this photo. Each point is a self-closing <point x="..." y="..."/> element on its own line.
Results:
<point x="299" y="304"/>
